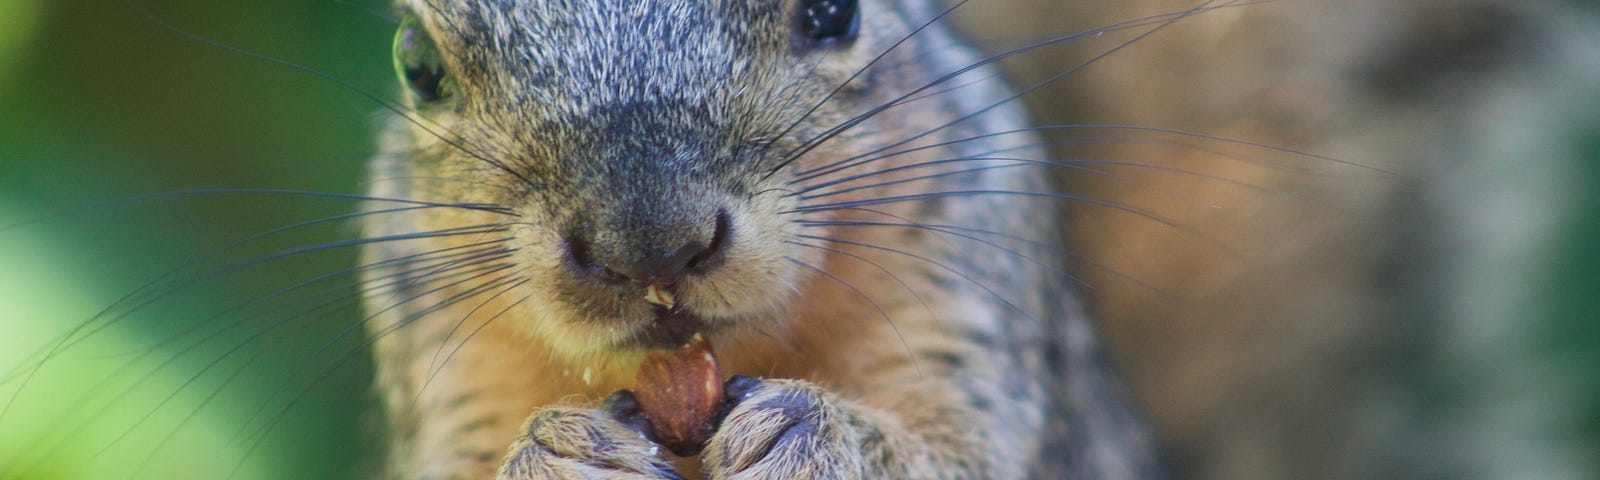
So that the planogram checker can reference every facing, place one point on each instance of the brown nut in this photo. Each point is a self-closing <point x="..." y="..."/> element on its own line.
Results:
<point x="679" y="392"/>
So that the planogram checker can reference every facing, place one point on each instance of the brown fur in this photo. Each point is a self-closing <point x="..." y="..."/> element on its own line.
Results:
<point x="1266" y="335"/>
<point x="962" y="361"/>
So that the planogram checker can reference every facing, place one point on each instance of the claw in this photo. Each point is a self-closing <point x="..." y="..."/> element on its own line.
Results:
<point x="624" y="408"/>
<point x="738" y="388"/>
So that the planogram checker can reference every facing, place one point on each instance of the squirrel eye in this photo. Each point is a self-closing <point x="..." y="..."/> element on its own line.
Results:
<point x="418" y="63"/>
<point x="822" y="22"/>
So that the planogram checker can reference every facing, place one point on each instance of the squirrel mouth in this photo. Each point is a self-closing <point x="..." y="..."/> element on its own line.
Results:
<point x="672" y="328"/>
<point x="674" y="325"/>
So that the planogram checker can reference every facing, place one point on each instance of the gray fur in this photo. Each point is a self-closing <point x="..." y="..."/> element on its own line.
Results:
<point x="632" y="123"/>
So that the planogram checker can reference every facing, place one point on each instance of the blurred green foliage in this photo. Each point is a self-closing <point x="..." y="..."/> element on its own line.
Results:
<point x="99" y="103"/>
<point x="1571" y="334"/>
<point x="16" y="29"/>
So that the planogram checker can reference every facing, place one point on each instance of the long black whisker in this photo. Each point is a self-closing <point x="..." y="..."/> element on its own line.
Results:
<point x="790" y="155"/>
<point x="875" y="306"/>
<point x="962" y="193"/>
<point x="918" y="226"/>
<point x="1233" y="141"/>
<point x="952" y="88"/>
<point x="1050" y="247"/>
<point x="447" y="266"/>
<point x="857" y="160"/>
<point x="794" y="97"/>
<point x="1185" y="228"/>
<point x="1174" y="17"/>
<point x="477" y="272"/>
<point x="384" y="15"/>
<point x="434" y="365"/>
<point x="472" y="271"/>
<point x="428" y="178"/>
<point x="157" y="295"/>
<point x="486" y="207"/>
<point x="411" y="117"/>
<point x="920" y="300"/>
<point x="470" y="335"/>
<point x="267" y="427"/>
<point x="214" y="253"/>
<point x="1160" y="20"/>
<point x="1079" y="165"/>
<point x="335" y="302"/>
<point x="202" y="340"/>
<point x="441" y="255"/>
<point x="67" y="434"/>
<point x="867" y="158"/>
<point x="929" y="261"/>
<point x="83" y="330"/>
<point x="433" y="362"/>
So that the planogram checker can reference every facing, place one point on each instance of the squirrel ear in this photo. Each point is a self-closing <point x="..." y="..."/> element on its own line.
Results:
<point x="418" y="63"/>
<point x="825" y="22"/>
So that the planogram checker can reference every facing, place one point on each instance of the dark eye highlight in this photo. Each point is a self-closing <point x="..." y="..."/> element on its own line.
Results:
<point x="418" y="63"/>
<point x="825" y="22"/>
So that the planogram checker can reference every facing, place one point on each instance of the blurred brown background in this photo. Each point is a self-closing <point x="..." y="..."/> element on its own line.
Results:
<point x="1442" y="308"/>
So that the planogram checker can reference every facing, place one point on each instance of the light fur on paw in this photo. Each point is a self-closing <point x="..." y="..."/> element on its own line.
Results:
<point x="784" y="429"/>
<point x="566" y="442"/>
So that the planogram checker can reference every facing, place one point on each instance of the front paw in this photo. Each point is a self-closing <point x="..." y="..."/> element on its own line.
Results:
<point x="783" y="429"/>
<point x="566" y="442"/>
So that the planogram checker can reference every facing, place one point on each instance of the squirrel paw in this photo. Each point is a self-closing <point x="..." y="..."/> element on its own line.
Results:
<point x="566" y="442"/>
<point x="782" y="429"/>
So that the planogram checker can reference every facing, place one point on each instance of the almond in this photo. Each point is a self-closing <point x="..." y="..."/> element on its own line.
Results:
<point x="679" y="393"/>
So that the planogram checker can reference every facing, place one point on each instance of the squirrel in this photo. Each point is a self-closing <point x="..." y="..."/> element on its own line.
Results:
<point x="840" y="195"/>
<point x="900" y="265"/>
<point x="849" y="202"/>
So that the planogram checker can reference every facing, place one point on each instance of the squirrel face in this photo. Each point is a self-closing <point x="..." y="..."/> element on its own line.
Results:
<point x="650" y="174"/>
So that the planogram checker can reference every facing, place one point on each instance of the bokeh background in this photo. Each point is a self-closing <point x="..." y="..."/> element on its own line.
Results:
<point x="100" y="105"/>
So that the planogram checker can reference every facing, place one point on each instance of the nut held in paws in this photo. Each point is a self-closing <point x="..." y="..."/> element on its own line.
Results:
<point x="679" y="392"/>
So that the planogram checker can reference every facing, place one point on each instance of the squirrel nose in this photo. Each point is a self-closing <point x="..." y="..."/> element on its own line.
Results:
<point x="645" y="259"/>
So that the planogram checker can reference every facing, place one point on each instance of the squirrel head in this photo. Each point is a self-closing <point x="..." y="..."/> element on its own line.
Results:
<point x="649" y="148"/>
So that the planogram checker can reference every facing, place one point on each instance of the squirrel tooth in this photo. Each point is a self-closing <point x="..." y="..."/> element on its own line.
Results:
<point x="659" y="296"/>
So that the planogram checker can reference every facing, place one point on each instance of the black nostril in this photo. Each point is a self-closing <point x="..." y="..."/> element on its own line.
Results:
<point x="667" y="269"/>
<point x="693" y="257"/>
<point x="582" y="257"/>
<point x="644" y="263"/>
<point x="707" y="257"/>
